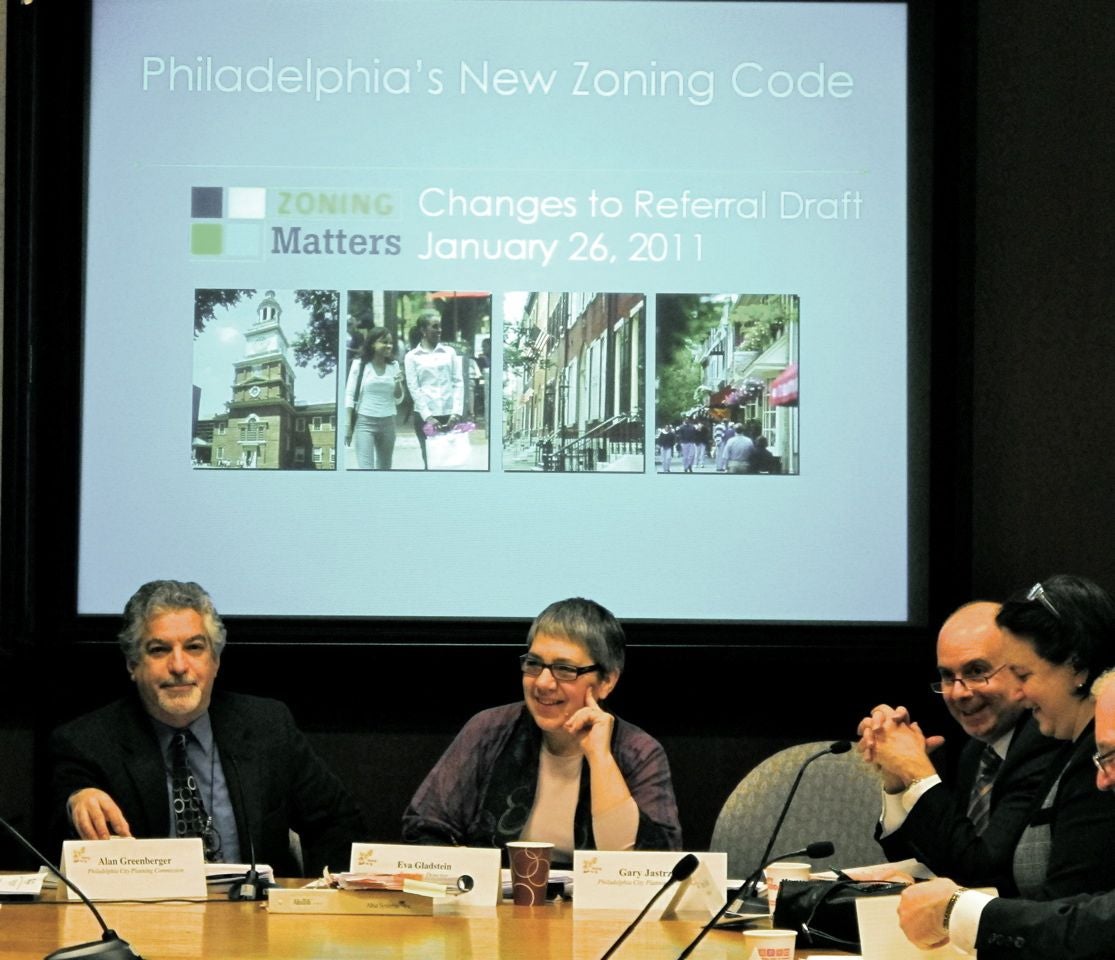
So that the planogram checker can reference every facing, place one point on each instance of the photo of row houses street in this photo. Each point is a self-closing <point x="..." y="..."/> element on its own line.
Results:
<point x="573" y="375"/>
<point x="726" y="397"/>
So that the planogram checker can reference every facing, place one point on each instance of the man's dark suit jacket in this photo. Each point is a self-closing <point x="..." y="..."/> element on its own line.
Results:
<point x="274" y="773"/>
<point x="938" y="832"/>
<point x="1080" y="927"/>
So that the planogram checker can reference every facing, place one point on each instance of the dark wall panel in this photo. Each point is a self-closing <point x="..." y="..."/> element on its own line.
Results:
<point x="1044" y="358"/>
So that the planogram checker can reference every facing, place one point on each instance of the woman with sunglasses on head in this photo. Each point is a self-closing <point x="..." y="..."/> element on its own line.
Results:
<point x="1058" y="638"/>
<point x="555" y="767"/>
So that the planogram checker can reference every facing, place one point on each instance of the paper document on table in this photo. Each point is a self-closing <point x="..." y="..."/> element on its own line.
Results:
<point x="886" y="871"/>
<point x="370" y="881"/>
<point x="20" y="886"/>
<point x="881" y="938"/>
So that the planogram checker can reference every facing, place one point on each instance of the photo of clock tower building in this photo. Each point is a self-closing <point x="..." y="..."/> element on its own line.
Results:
<point x="265" y="428"/>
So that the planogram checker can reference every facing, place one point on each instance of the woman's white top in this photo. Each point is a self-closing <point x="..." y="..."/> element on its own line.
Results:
<point x="377" y="392"/>
<point x="435" y="381"/>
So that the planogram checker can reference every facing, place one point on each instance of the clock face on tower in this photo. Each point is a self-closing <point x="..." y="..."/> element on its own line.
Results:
<point x="254" y="392"/>
<point x="269" y="344"/>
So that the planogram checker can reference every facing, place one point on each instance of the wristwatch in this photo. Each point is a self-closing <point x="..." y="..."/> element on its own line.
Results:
<point x="950" y="905"/>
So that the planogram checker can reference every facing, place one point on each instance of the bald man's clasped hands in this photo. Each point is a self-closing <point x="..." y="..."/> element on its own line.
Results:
<point x="896" y="747"/>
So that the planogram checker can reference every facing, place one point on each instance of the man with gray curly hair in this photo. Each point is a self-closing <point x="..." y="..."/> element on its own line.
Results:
<point x="162" y="596"/>
<point x="237" y="765"/>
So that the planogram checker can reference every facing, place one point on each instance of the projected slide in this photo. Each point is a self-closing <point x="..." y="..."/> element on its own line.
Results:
<point x="447" y="309"/>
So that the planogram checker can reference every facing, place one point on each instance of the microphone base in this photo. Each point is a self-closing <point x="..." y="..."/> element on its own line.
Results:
<point x="243" y="891"/>
<point x="252" y="887"/>
<point x="109" y="948"/>
<point x="248" y="891"/>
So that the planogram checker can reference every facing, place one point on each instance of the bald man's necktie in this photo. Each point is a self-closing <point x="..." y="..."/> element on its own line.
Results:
<point x="979" y="805"/>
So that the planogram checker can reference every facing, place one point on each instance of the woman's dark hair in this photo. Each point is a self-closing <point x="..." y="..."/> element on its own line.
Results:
<point x="371" y="338"/>
<point x="426" y="316"/>
<point x="1068" y="620"/>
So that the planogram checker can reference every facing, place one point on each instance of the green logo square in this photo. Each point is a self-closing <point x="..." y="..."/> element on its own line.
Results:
<point x="206" y="239"/>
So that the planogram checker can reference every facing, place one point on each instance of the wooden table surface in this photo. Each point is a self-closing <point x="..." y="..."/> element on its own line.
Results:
<point x="219" y="929"/>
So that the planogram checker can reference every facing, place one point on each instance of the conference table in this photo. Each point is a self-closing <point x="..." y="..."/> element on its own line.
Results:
<point x="217" y="929"/>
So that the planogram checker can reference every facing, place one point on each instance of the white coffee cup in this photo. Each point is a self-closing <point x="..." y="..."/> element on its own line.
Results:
<point x="775" y="873"/>
<point x="769" y="944"/>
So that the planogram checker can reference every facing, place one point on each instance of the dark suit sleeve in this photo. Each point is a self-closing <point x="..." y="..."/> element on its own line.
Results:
<point x="898" y="845"/>
<point x="113" y="749"/>
<point x="939" y="834"/>
<point x="318" y="806"/>
<point x="1080" y="927"/>
<point x="71" y="769"/>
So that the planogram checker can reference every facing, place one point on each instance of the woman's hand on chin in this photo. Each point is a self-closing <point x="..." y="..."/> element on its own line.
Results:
<point x="591" y="727"/>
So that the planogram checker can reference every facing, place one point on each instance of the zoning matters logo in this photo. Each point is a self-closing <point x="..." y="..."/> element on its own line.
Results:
<point x="227" y="221"/>
<point x="234" y="222"/>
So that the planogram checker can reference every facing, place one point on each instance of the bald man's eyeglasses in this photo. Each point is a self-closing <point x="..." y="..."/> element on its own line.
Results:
<point x="971" y="682"/>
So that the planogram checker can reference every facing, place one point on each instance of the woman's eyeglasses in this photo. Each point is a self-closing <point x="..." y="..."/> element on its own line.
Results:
<point x="567" y="672"/>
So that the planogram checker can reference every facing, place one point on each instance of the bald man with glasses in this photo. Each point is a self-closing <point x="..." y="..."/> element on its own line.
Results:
<point x="967" y="829"/>
<point x="994" y="928"/>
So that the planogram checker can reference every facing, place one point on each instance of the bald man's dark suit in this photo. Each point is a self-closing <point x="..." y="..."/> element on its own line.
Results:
<point x="276" y="781"/>
<point x="937" y="830"/>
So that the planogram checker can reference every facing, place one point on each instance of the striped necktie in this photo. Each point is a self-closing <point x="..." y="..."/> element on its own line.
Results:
<point x="979" y="805"/>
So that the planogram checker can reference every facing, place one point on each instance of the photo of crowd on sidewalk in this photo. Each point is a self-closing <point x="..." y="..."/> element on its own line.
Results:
<point x="727" y="396"/>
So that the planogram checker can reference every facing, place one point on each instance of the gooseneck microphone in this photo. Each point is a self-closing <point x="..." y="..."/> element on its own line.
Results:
<point x="683" y="870"/>
<point x="252" y="887"/>
<point x="109" y="947"/>
<point x="815" y="851"/>
<point x="840" y="746"/>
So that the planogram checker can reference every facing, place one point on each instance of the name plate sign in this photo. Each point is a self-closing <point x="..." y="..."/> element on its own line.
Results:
<point x="127" y="869"/>
<point x="436" y="865"/>
<point x="627" y="879"/>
